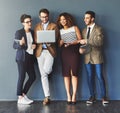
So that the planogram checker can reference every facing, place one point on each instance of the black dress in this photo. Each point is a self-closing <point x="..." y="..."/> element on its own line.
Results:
<point x="70" y="55"/>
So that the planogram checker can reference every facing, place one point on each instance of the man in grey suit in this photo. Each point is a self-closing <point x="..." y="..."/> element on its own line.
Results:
<point x="93" y="36"/>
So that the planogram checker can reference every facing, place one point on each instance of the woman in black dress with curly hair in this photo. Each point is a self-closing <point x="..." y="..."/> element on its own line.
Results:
<point x="69" y="42"/>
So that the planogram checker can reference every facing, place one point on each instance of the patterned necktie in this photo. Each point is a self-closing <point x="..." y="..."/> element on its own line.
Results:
<point x="88" y="33"/>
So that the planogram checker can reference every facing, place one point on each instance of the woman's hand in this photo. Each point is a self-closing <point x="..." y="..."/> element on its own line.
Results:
<point x="22" y="41"/>
<point x="61" y="42"/>
<point x="33" y="46"/>
<point x="66" y="44"/>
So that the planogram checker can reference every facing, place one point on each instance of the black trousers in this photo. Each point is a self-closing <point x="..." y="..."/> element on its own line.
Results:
<point x="25" y="67"/>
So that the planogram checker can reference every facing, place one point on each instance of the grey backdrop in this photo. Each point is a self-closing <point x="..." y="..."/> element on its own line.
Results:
<point x="107" y="16"/>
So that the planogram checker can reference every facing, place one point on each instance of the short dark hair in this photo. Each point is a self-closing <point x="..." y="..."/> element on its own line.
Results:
<point x="23" y="17"/>
<point x="44" y="10"/>
<point x="92" y="13"/>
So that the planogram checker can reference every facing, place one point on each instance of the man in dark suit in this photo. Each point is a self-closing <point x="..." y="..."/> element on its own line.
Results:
<point x="93" y="36"/>
<point x="24" y="43"/>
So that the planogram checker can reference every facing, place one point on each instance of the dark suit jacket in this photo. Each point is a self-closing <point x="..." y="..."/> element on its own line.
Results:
<point x="20" y="54"/>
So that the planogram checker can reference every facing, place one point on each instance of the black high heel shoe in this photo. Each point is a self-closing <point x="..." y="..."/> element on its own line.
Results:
<point x="69" y="102"/>
<point x="73" y="103"/>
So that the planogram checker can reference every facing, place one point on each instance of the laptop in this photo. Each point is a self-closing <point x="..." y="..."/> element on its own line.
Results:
<point x="45" y="36"/>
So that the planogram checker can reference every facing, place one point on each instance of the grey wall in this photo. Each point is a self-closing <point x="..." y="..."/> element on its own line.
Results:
<point x="107" y="16"/>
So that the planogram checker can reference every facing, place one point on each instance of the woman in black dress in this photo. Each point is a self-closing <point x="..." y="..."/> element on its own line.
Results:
<point x="69" y="43"/>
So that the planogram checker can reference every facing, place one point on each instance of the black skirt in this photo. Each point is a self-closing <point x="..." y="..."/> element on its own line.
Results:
<point x="70" y="60"/>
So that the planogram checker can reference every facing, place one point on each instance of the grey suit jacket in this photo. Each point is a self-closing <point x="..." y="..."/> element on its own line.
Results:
<point x="95" y="56"/>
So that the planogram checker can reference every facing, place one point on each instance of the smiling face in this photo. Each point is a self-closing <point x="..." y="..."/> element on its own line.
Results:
<point x="27" y="23"/>
<point x="44" y="17"/>
<point x="88" y="19"/>
<point x="63" y="21"/>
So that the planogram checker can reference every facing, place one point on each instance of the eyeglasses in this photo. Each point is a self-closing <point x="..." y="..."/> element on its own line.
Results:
<point x="27" y="22"/>
<point x="44" y="17"/>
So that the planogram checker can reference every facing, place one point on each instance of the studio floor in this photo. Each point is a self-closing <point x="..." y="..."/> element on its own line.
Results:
<point x="59" y="107"/>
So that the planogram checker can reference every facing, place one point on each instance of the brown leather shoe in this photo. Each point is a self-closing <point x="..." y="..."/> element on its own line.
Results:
<point x="46" y="101"/>
<point x="105" y="101"/>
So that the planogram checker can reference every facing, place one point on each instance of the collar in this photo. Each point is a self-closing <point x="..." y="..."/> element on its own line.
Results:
<point x="91" y="26"/>
<point x="46" y="24"/>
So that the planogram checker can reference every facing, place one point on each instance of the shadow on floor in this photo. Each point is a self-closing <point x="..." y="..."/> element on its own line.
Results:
<point x="59" y="107"/>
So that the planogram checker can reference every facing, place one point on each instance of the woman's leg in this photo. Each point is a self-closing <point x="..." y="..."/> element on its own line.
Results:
<point x="67" y="87"/>
<point x="29" y="66"/>
<point x="21" y="78"/>
<point x="74" y="86"/>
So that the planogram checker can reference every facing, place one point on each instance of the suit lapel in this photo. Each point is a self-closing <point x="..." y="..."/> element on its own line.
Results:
<point x="41" y="26"/>
<point x="49" y="26"/>
<point x="84" y="33"/>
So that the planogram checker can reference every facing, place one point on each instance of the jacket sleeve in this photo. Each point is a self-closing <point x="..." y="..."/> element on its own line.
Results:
<point x="16" y="43"/>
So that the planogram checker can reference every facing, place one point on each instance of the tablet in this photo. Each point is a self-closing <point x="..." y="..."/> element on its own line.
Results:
<point x="45" y="36"/>
<point x="84" y="46"/>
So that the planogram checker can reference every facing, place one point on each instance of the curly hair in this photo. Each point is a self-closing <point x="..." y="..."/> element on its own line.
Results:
<point x="69" y="18"/>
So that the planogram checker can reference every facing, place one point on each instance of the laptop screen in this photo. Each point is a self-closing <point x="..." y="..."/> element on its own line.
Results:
<point x="45" y="36"/>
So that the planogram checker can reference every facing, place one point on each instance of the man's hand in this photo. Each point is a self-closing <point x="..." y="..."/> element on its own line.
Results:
<point x="83" y="41"/>
<point x="33" y="46"/>
<point x="48" y="44"/>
